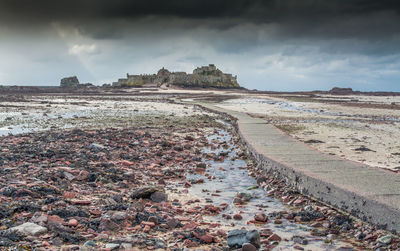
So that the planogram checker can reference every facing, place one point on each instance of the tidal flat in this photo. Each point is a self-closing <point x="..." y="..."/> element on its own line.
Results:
<point x="151" y="172"/>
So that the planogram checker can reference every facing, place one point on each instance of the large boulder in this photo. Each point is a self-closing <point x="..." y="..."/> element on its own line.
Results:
<point x="69" y="82"/>
<point x="145" y="192"/>
<point x="29" y="228"/>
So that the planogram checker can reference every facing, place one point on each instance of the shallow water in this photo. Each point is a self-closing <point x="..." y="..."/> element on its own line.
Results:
<point x="292" y="106"/>
<point x="232" y="178"/>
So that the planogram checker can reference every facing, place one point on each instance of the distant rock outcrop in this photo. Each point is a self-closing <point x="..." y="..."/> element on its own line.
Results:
<point x="69" y="82"/>
<point x="205" y="76"/>
<point x="341" y="91"/>
<point x="73" y="82"/>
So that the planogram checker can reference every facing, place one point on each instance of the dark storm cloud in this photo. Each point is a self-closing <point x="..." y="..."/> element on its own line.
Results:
<point x="291" y="44"/>
<point x="254" y="11"/>
<point x="300" y="19"/>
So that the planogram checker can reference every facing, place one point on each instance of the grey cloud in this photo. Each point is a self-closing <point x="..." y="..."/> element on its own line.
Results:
<point x="270" y="44"/>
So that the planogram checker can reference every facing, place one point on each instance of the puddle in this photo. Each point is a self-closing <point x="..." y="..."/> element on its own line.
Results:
<point x="231" y="178"/>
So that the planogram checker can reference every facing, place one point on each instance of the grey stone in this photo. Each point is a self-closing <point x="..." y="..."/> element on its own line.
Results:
<point x="159" y="196"/>
<point x="237" y="237"/>
<point x="108" y="225"/>
<point x="173" y="223"/>
<point x="69" y="176"/>
<point x="90" y="243"/>
<point x="112" y="246"/>
<point x="144" y="192"/>
<point x="160" y="244"/>
<point x="96" y="147"/>
<point x="126" y="246"/>
<point x="39" y="219"/>
<point x="118" y="216"/>
<point x="300" y="240"/>
<point x="87" y="248"/>
<point x="387" y="239"/>
<point x="29" y="228"/>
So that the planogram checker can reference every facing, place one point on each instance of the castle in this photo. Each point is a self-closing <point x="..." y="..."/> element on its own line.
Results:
<point x="205" y="76"/>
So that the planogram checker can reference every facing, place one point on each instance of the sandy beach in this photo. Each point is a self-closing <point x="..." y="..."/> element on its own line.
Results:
<point x="363" y="131"/>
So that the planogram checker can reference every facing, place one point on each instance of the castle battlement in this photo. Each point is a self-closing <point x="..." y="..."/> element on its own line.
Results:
<point x="204" y="76"/>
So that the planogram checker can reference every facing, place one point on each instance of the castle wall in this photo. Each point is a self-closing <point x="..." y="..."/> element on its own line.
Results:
<point x="205" y="76"/>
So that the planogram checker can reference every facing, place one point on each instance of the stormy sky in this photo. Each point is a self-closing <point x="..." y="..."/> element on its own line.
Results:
<point x="280" y="45"/>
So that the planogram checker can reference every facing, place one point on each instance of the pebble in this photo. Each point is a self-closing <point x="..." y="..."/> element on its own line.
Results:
<point x="237" y="217"/>
<point x="248" y="247"/>
<point x="274" y="237"/>
<point x="90" y="243"/>
<point x="112" y="246"/>
<point x="73" y="223"/>
<point x="261" y="217"/>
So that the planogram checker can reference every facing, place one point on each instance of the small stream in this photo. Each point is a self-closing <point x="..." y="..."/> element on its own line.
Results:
<point x="231" y="178"/>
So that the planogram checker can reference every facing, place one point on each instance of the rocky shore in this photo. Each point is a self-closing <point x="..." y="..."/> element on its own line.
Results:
<point x="159" y="183"/>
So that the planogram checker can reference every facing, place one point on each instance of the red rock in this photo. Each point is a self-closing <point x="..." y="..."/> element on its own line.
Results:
<point x="73" y="223"/>
<point x="26" y="214"/>
<point x="316" y="224"/>
<point x="55" y="219"/>
<point x="83" y="175"/>
<point x="278" y="221"/>
<point x="285" y="199"/>
<point x="237" y="217"/>
<point x="127" y="163"/>
<point x="190" y="226"/>
<point x="221" y="233"/>
<point x="248" y="247"/>
<point x="81" y="202"/>
<point x="190" y="244"/>
<point x="274" y="237"/>
<point x="298" y="247"/>
<point x="148" y="223"/>
<point x="191" y="211"/>
<point x="95" y="212"/>
<point x="69" y="195"/>
<point x="261" y="217"/>
<point x="207" y="238"/>
<point x="298" y="202"/>
<point x="45" y="243"/>
<point x="369" y="237"/>
<point x="146" y="229"/>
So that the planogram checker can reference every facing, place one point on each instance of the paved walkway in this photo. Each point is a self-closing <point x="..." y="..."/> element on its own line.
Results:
<point x="368" y="193"/>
